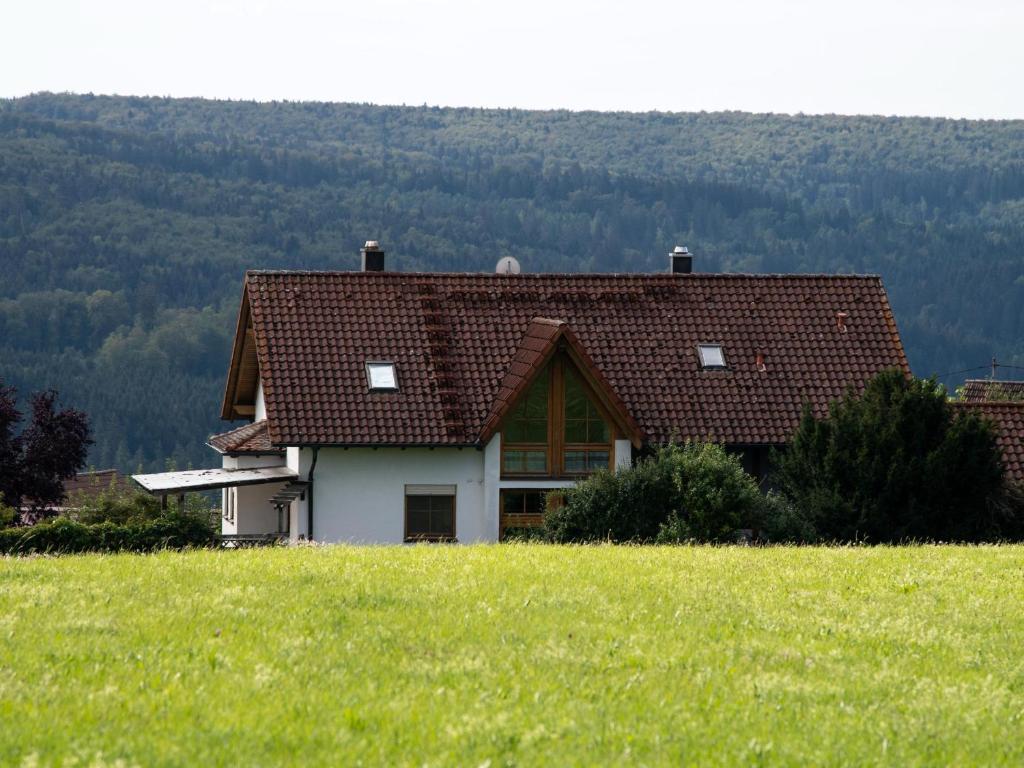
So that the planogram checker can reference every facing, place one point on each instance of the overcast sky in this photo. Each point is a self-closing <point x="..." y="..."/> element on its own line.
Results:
<point x="962" y="58"/>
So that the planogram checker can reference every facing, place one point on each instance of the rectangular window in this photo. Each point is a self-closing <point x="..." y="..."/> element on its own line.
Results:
<point x="381" y="376"/>
<point x="579" y="462"/>
<point x="522" y="508"/>
<point x="518" y="461"/>
<point x="711" y="355"/>
<point x="430" y="513"/>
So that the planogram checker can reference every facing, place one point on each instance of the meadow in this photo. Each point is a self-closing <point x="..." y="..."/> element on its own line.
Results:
<point x="515" y="655"/>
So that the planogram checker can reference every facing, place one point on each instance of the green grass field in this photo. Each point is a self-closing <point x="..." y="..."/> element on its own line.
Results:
<point x="515" y="655"/>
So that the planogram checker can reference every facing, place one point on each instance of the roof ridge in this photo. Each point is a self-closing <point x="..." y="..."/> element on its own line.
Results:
<point x="666" y="276"/>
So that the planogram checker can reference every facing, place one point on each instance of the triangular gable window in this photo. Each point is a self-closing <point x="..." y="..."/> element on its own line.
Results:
<point x="556" y="429"/>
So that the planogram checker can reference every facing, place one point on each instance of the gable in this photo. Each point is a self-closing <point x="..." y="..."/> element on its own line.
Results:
<point x="544" y="338"/>
<point x="453" y="339"/>
<point x="243" y="370"/>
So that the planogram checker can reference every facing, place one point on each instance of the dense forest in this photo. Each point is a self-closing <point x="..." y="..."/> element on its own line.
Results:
<point x="126" y="225"/>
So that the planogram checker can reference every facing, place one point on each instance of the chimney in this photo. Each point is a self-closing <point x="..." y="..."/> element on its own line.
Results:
<point x="681" y="260"/>
<point x="372" y="257"/>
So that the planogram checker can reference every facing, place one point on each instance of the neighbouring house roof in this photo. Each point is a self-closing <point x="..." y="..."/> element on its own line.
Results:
<point x="454" y="338"/>
<point x="990" y="389"/>
<point x="1008" y="418"/>
<point x="88" y="485"/>
<point x="249" y="438"/>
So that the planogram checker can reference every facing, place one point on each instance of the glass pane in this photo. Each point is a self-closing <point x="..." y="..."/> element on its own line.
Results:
<point x="575" y="398"/>
<point x="512" y="501"/>
<point x="712" y="356"/>
<point x="514" y="461"/>
<point x="576" y="431"/>
<point x="382" y="375"/>
<point x="599" y="432"/>
<point x="528" y="420"/>
<point x="417" y="503"/>
<point x="418" y="522"/>
<point x="515" y="431"/>
<point x="444" y="504"/>
<point x="443" y="522"/>
<point x="597" y="460"/>
<point x="536" y="461"/>
<point x="535" y="432"/>
<point x="534" y="502"/>
<point x="575" y="461"/>
<point x="525" y="461"/>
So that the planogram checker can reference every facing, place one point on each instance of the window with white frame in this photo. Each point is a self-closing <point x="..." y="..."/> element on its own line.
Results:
<point x="381" y="376"/>
<point x="711" y="356"/>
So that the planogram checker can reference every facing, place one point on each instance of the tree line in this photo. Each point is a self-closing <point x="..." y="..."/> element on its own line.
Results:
<point x="126" y="225"/>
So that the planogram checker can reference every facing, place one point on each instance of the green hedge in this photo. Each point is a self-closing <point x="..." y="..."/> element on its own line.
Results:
<point x="64" y="536"/>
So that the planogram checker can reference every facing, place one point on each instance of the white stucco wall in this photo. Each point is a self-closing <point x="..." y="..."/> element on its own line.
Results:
<point x="360" y="492"/>
<point x="623" y="454"/>
<point x="261" y="405"/>
<point x="253" y="511"/>
<point x="253" y="462"/>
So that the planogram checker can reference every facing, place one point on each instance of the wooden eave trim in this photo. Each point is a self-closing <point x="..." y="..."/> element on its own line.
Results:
<point x="227" y="410"/>
<point x="565" y="340"/>
<point x="894" y="332"/>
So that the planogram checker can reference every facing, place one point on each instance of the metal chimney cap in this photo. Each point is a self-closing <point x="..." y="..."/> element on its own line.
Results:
<point x="371" y="245"/>
<point x="680" y="250"/>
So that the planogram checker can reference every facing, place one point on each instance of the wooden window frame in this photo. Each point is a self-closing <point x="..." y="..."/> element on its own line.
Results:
<point x="556" y="445"/>
<point x="523" y="520"/>
<point x="453" y="538"/>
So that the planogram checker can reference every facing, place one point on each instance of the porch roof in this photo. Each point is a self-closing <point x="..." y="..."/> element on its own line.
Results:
<point x="162" y="483"/>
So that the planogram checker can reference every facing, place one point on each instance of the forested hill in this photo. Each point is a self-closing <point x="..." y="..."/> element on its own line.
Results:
<point x="126" y="224"/>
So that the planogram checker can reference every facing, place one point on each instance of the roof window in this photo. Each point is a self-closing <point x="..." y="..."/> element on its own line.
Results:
<point x="711" y="356"/>
<point x="381" y="376"/>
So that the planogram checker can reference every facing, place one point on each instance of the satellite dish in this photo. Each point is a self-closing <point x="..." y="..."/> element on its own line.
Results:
<point x="507" y="265"/>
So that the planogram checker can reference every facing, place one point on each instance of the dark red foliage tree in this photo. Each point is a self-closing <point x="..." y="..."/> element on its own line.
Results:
<point x="35" y="462"/>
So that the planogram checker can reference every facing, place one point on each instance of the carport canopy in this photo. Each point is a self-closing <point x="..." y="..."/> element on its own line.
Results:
<point x="191" y="480"/>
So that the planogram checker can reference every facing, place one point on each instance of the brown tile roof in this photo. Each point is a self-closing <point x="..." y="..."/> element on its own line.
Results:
<point x="454" y="336"/>
<point x="988" y="389"/>
<point x="537" y="346"/>
<point x="88" y="485"/>
<point x="1008" y="418"/>
<point x="249" y="438"/>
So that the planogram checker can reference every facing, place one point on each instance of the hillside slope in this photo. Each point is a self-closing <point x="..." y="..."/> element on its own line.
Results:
<point x="127" y="223"/>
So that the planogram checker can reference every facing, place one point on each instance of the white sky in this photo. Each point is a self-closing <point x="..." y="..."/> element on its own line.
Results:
<point x="962" y="58"/>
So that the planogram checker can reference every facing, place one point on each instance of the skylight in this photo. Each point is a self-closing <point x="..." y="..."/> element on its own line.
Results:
<point x="381" y="375"/>
<point x="711" y="355"/>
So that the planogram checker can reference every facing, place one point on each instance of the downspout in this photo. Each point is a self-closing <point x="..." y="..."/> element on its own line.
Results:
<point x="309" y="507"/>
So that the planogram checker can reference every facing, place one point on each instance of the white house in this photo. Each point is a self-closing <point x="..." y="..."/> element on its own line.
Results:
<point x="388" y="407"/>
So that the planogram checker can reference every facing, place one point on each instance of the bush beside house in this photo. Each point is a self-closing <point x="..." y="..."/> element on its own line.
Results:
<point x="114" y="521"/>
<point x="692" y="492"/>
<point x="895" y="464"/>
<point x="66" y="536"/>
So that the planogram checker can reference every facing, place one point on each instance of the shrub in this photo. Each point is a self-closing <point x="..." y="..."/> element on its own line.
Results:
<point x="895" y="464"/>
<point x="65" y="536"/>
<point x="716" y="497"/>
<point x="782" y="522"/>
<point x="628" y="505"/>
<point x="112" y="506"/>
<point x="8" y="515"/>
<point x="695" y="491"/>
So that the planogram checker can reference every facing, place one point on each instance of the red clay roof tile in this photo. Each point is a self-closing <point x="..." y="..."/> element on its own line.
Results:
<point x="1008" y="418"/>
<point x="453" y="338"/>
<point x="249" y="438"/>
